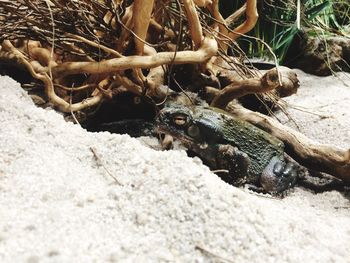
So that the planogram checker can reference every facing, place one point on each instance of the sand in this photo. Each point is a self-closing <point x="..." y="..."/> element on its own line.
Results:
<point x="59" y="204"/>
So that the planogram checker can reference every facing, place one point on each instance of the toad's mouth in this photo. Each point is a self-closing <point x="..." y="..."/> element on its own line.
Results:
<point x="179" y="135"/>
<point x="187" y="141"/>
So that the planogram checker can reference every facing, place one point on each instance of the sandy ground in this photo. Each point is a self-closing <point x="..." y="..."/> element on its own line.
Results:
<point x="58" y="204"/>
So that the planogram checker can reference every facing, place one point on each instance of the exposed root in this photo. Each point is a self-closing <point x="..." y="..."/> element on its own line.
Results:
<point x="193" y="21"/>
<point x="203" y="54"/>
<point x="251" y="19"/>
<point x="106" y="47"/>
<point x="266" y="83"/>
<point x="38" y="73"/>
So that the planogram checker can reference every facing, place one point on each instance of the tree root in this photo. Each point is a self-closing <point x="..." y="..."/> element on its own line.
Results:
<point x="251" y="12"/>
<point x="37" y="72"/>
<point x="266" y="83"/>
<point x="110" y="49"/>
<point x="251" y="19"/>
<point x="203" y="54"/>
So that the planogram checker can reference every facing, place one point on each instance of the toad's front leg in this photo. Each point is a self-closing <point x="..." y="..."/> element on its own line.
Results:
<point x="278" y="175"/>
<point x="235" y="162"/>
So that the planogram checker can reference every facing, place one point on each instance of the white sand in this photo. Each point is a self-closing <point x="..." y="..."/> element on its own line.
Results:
<point x="58" y="205"/>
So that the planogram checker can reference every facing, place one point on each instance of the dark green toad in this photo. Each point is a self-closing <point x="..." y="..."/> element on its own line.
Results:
<point x="247" y="153"/>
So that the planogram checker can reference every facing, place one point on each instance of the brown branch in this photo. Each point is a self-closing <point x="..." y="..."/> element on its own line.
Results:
<point x="205" y="52"/>
<point x="142" y="11"/>
<point x="43" y="56"/>
<point x="202" y="3"/>
<point x="96" y="45"/>
<point x="268" y="82"/>
<point x="49" y="87"/>
<point x="194" y="23"/>
<point x="220" y="22"/>
<point x="226" y="34"/>
<point x="128" y="84"/>
<point x="237" y="14"/>
<point x="75" y="89"/>
<point x="251" y="19"/>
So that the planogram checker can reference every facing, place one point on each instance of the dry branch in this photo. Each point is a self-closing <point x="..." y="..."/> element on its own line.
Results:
<point x="232" y="18"/>
<point x="43" y="76"/>
<point x="100" y="40"/>
<point x="251" y="19"/>
<point x="241" y="88"/>
<point x="203" y="54"/>
<point x="142" y="11"/>
<point x="194" y="23"/>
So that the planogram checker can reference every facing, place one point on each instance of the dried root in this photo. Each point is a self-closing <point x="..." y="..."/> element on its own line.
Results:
<point x="95" y="49"/>
<point x="240" y="88"/>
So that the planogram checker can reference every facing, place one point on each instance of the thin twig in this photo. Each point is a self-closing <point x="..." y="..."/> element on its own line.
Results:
<point x="220" y="171"/>
<point x="70" y="105"/>
<point x="207" y="251"/>
<point x="98" y="159"/>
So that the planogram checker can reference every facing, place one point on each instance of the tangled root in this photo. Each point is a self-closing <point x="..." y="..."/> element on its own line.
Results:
<point x="85" y="52"/>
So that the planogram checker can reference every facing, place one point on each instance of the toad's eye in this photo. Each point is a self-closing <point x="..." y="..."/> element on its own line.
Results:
<point x="180" y="120"/>
<point x="193" y="131"/>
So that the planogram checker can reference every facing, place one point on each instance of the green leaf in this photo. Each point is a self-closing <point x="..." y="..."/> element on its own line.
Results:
<point x="313" y="12"/>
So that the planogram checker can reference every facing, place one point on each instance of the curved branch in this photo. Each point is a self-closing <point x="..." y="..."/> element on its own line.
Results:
<point x="202" y="3"/>
<point x="142" y="11"/>
<point x="49" y="87"/>
<point x="237" y="14"/>
<point x="251" y="19"/>
<point x="96" y="45"/>
<point x="193" y="22"/>
<point x="220" y="22"/>
<point x="266" y="83"/>
<point x="206" y="51"/>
